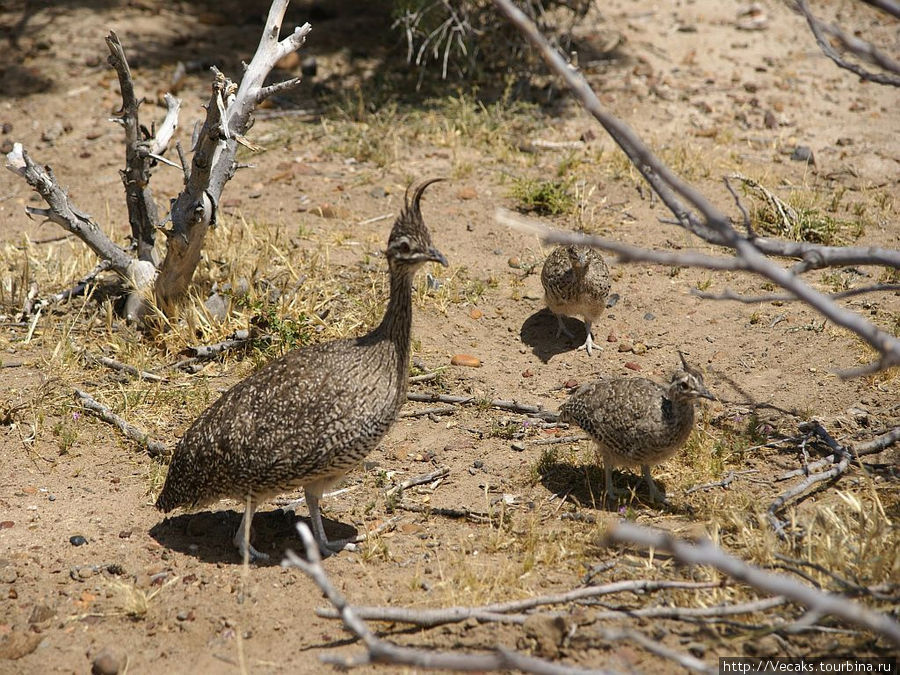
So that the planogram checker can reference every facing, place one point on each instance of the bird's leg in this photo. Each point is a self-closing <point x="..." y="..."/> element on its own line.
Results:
<point x="655" y="493"/>
<point x="561" y="328"/>
<point x="589" y="343"/>
<point x="242" y="536"/>
<point x="611" y="492"/>
<point x="315" y="515"/>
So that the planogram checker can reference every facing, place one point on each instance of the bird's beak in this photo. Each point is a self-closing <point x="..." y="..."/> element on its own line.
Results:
<point x="436" y="256"/>
<point x="704" y="393"/>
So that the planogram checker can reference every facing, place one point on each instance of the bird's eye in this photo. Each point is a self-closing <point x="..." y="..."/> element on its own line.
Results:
<point x="402" y="246"/>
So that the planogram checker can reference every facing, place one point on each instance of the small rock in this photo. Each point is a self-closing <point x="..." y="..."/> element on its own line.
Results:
<point x="475" y="313"/>
<point x="185" y="615"/>
<point x="6" y="127"/>
<point x="331" y="211"/>
<point x="53" y="132"/>
<point x="612" y="337"/>
<point x="649" y="316"/>
<point x="514" y="262"/>
<point x="625" y="346"/>
<point x="466" y="360"/>
<point x="378" y="192"/>
<point x="478" y="463"/>
<point x="527" y="373"/>
<point x="631" y="365"/>
<point x="770" y="120"/>
<point x="587" y="136"/>
<point x="803" y="153"/>
<point x="8" y="574"/>
<point x="40" y="614"/>
<point x="309" y="67"/>
<point x="106" y="663"/>
<point x="571" y="383"/>
<point x="639" y="348"/>
<point x="6" y="524"/>
<point x="467" y="193"/>
<point x="124" y="534"/>
<point x="845" y="140"/>
<point x="217" y="307"/>
<point x="77" y="540"/>
<point x="518" y="447"/>
<point x="612" y="300"/>
<point x="86" y="572"/>
<point x="92" y="61"/>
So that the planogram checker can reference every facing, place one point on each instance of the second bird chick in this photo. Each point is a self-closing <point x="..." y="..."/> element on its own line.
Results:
<point x="576" y="283"/>
<point x="634" y="421"/>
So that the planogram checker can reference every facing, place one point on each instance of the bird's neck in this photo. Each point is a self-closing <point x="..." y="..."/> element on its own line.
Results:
<point x="396" y="326"/>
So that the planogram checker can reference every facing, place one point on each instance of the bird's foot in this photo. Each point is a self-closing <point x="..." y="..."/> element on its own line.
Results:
<point x="328" y="548"/>
<point x="254" y="555"/>
<point x="589" y="345"/>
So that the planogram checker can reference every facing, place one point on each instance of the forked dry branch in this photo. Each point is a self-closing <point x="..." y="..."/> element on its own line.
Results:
<point x="153" y="284"/>
<point x="817" y="603"/>
<point x="858" y="47"/>
<point x="381" y="651"/>
<point x="695" y="213"/>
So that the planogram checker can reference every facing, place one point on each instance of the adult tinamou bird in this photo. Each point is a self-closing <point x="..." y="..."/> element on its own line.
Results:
<point x="309" y="417"/>
<point x="576" y="283"/>
<point x="635" y="421"/>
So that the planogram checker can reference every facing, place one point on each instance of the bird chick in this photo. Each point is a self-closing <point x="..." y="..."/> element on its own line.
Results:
<point x="576" y="283"/>
<point x="309" y="417"/>
<point x="634" y="421"/>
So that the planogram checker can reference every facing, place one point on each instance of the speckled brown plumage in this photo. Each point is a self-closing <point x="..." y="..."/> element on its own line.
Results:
<point x="310" y="416"/>
<point x="576" y="283"/>
<point x="635" y="421"/>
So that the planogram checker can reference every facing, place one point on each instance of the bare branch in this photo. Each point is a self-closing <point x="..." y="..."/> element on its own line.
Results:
<point x="276" y="88"/>
<point x="64" y="213"/>
<point x="154" y="448"/>
<point x="855" y="46"/>
<point x="228" y="119"/>
<point x="705" y="552"/>
<point x="729" y="294"/>
<point x="871" y="447"/>
<point x="160" y="141"/>
<point x="125" y="368"/>
<point x="428" y="618"/>
<point x="443" y="472"/>
<point x="716" y="227"/>
<point x="512" y="406"/>
<point x="626" y="253"/>
<point x="142" y="212"/>
<point x="380" y="651"/>
<point x="888" y="6"/>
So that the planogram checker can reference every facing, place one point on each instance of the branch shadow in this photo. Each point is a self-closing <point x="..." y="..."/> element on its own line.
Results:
<point x="539" y="332"/>
<point x="207" y="535"/>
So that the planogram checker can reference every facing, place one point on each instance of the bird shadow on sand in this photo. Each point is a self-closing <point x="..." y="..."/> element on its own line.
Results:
<point x="539" y="332"/>
<point x="585" y="486"/>
<point x="207" y="535"/>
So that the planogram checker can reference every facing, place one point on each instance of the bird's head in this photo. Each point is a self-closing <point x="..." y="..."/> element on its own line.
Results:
<point x="409" y="245"/>
<point x="578" y="257"/>
<point x="687" y="383"/>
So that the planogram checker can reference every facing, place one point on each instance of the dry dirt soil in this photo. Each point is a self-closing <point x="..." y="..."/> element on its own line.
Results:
<point x="171" y="594"/>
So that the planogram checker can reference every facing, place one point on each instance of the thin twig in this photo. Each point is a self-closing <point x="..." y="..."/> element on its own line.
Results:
<point x="460" y="513"/>
<point x="125" y="368"/>
<point x="872" y="447"/>
<point x="706" y="553"/>
<point x="381" y="651"/>
<point x="435" y="410"/>
<point x="428" y="618"/>
<point x="154" y="448"/>
<point x="561" y="439"/>
<point x="725" y="482"/>
<point x="511" y="406"/>
<point x="729" y="294"/>
<point x="443" y="472"/>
